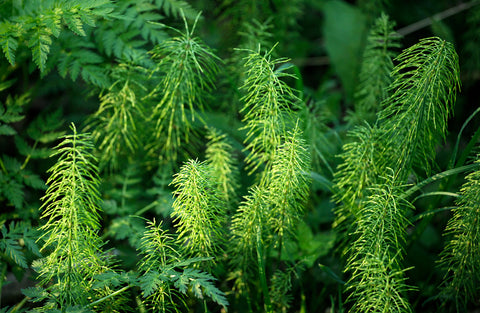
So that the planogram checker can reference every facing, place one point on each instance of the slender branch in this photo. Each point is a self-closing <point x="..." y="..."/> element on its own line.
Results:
<point x="435" y="18"/>
<point x="108" y="297"/>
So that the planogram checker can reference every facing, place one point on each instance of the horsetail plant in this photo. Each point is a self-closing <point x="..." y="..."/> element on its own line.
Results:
<point x="71" y="209"/>
<point x="268" y="107"/>
<point x="186" y="69"/>
<point x="459" y="257"/>
<point x="413" y="118"/>
<point x="166" y="276"/>
<point x="198" y="211"/>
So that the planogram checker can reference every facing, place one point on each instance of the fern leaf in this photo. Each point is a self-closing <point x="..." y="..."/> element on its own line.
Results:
<point x="12" y="190"/>
<point x="9" y="47"/>
<point x="10" y="244"/>
<point x="74" y="23"/>
<point x="40" y="43"/>
<point x="201" y="284"/>
<point x="176" y="8"/>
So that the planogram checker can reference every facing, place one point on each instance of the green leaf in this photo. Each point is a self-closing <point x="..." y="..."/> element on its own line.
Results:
<point x="13" y="191"/>
<point x="344" y="31"/>
<point x="7" y="130"/>
<point x="10" y="244"/>
<point x="40" y="43"/>
<point x="9" y="47"/>
<point x="33" y="180"/>
<point x="74" y="23"/>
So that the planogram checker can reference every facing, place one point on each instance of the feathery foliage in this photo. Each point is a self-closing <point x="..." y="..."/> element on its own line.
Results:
<point x="424" y="88"/>
<point x="374" y="76"/>
<point x="198" y="212"/>
<point x="71" y="209"/>
<point x="219" y="155"/>
<point x="116" y="126"/>
<point x="460" y="255"/>
<point x="288" y="184"/>
<point x="157" y="208"/>
<point x="378" y="278"/>
<point x="269" y="102"/>
<point x="186" y="70"/>
<point x="164" y="271"/>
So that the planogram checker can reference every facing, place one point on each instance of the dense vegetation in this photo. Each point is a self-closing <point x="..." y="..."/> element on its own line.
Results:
<point x="242" y="156"/>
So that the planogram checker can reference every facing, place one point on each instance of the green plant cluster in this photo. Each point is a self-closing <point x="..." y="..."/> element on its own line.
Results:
<point x="214" y="156"/>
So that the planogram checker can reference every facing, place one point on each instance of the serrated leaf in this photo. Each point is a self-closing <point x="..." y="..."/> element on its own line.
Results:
<point x="36" y="294"/>
<point x="33" y="180"/>
<point x="40" y="43"/>
<point x="13" y="191"/>
<point x="11" y="245"/>
<point x="53" y="23"/>
<point x="11" y="164"/>
<point x="149" y="283"/>
<point x="22" y="146"/>
<point x="6" y="130"/>
<point x="95" y="75"/>
<point x="9" y="47"/>
<point x="74" y="23"/>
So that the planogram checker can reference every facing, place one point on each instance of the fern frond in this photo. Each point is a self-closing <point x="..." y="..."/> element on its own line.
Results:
<point x="176" y="8"/>
<point x="9" y="46"/>
<point x="460" y="258"/>
<point x="269" y="102"/>
<point x="374" y="77"/>
<point x="38" y="21"/>
<point x="186" y="68"/>
<point x="40" y="43"/>
<point x="425" y="84"/>
<point x="197" y="211"/>
<point x="71" y="210"/>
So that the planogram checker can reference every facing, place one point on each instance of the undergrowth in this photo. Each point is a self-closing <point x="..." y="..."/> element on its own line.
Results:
<point x="214" y="156"/>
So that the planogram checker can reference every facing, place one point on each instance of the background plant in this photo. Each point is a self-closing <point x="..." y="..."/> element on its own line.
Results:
<point x="249" y="156"/>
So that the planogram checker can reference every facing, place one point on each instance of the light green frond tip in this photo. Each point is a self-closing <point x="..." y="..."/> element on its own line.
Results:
<point x="423" y="93"/>
<point x="71" y="210"/>
<point x="197" y="210"/>
<point x="268" y="107"/>
<point x="460" y="257"/>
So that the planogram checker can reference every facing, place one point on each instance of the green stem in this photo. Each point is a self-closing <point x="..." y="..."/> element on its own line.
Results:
<point x="438" y="176"/>
<point x="3" y="167"/>
<point x="468" y="148"/>
<point x="108" y="297"/>
<point x="19" y="305"/>
<point x="261" y="271"/>
<point x="28" y="156"/>
<point x="146" y="208"/>
<point x="4" y="270"/>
